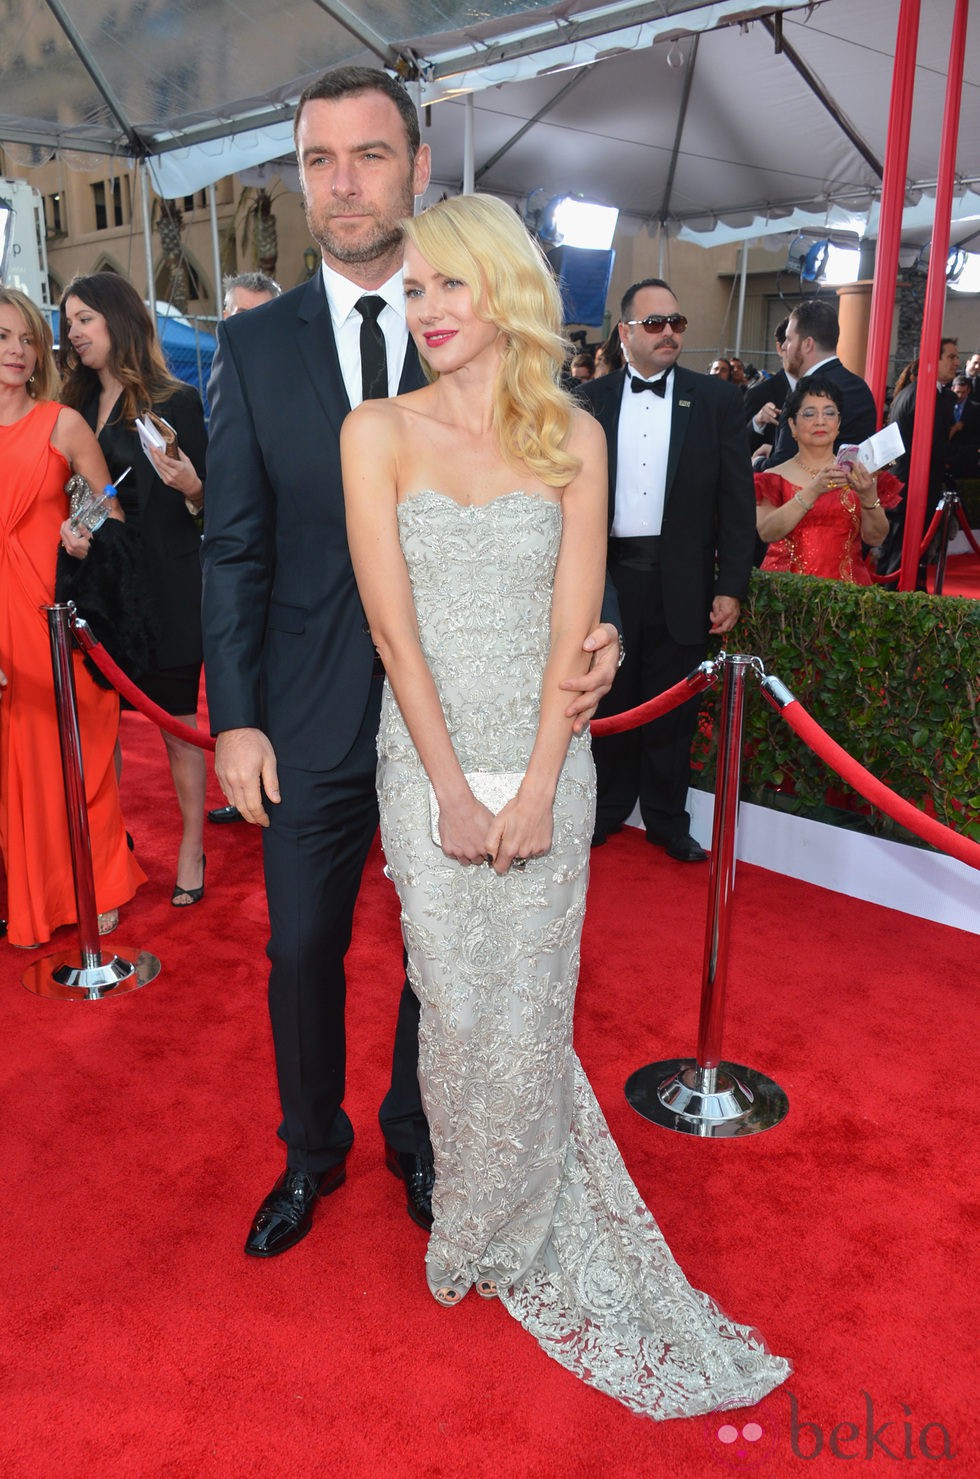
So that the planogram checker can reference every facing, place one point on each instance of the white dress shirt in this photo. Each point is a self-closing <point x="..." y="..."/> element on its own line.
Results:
<point x="342" y="294"/>
<point x="641" y="460"/>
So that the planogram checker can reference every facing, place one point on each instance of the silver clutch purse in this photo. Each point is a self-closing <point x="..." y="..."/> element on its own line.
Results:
<point x="492" y="789"/>
<point x="79" y="492"/>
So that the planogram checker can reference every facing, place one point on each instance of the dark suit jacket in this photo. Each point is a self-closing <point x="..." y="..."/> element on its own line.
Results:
<point x="775" y="389"/>
<point x="286" y="645"/>
<point x="903" y="415"/>
<point x="170" y="544"/>
<point x="708" y="533"/>
<point x="859" y="418"/>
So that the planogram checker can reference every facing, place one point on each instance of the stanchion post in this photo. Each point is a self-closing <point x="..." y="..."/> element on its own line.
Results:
<point x="707" y="1096"/>
<point x="721" y="865"/>
<point x="949" y="504"/>
<point x="69" y="736"/>
<point x="64" y="975"/>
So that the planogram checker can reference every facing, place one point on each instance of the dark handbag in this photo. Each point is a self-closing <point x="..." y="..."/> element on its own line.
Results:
<point x="107" y="591"/>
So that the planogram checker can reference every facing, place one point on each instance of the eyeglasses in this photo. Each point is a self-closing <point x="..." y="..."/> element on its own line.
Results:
<point x="657" y="322"/>
<point x="830" y="414"/>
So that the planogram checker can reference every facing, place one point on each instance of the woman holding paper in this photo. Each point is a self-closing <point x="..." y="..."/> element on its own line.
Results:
<point x="114" y="372"/>
<point x="813" y="512"/>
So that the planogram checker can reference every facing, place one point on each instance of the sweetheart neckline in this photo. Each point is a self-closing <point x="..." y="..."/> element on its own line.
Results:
<point x="475" y="507"/>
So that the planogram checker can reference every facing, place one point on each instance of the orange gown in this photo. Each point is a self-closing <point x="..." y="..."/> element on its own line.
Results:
<point x="33" y="817"/>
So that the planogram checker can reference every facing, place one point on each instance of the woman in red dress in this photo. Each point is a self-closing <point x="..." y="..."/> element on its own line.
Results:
<point x="41" y="444"/>
<point x="813" y="514"/>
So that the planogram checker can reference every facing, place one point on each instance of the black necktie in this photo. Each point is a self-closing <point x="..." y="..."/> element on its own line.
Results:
<point x="374" y="359"/>
<point x="659" y="387"/>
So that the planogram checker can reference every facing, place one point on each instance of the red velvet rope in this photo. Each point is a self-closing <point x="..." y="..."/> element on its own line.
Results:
<point x="965" y="526"/>
<point x="875" y="791"/>
<point x="139" y="700"/>
<point x="654" y="708"/>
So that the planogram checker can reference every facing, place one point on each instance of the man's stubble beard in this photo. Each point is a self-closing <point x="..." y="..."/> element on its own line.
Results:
<point x="385" y="241"/>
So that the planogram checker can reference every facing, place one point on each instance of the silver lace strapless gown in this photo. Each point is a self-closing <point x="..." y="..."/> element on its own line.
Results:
<point x="530" y="1188"/>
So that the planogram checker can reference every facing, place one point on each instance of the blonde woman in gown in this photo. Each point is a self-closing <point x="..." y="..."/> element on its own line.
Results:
<point x="476" y="515"/>
<point x="41" y="444"/>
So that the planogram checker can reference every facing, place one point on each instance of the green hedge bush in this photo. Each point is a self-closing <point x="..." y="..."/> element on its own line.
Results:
<point x="893" y="677"/>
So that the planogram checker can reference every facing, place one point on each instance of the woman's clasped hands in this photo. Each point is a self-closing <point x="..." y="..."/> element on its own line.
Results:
<point x="521" y="830"/>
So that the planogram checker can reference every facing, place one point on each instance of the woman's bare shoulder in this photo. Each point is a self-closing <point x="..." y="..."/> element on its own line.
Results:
<point x="585" y="437"/>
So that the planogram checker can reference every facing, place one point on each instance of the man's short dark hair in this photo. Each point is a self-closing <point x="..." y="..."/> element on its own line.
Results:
<point x="947" y="340"/>
<point x="344" y="82"/>
<point x="779" y="332"/>
<point x="817" y="319"/>
<point x="818" y="385"/>
<point x="626" y="307"/>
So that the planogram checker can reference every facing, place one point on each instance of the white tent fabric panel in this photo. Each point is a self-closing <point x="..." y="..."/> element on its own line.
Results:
<point x="205" y="88"/>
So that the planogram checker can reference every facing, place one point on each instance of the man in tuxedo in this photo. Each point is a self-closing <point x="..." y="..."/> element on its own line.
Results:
<point x="810" y="345"/>
<point x="682" y="537"/>
<point x="293" y="680"/>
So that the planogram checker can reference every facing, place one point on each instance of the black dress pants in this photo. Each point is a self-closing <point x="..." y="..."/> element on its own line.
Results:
<point x="651" y="763"/>
<point x="314" y="852"/>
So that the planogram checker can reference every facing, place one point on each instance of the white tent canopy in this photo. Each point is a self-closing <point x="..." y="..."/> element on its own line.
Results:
<point x="713" y="120"/>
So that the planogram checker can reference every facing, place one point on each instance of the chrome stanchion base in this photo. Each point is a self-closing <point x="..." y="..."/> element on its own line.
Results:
<point x="65" y="976"/>
<point x="717" y="1104"/>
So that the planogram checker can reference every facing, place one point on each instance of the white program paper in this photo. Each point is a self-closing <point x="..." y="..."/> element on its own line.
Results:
<point x="882" y="448"/>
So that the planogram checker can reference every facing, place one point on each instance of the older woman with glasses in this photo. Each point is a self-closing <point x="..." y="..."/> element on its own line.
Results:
<point x="813" y="510"/>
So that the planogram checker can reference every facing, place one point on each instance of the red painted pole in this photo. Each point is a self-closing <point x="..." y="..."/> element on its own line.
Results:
<point x="932" y="321"/>
<point x="892" y="202"/>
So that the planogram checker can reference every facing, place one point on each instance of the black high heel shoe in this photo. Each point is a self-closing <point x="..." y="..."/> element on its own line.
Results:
<point x="183" y="898"/>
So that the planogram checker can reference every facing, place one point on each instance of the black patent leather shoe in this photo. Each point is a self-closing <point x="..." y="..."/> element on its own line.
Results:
<point x="684" y="848"/>
<point x="225" y="814"/>
<point x="419" y="1175"/>
<point x="286" y="1215"/>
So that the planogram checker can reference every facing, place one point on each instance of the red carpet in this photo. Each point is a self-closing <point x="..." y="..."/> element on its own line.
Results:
<point x="139" y="1343"/>
<point x="962" y="576"/>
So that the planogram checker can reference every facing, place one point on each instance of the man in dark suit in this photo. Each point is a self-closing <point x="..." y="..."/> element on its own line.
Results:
<point x="764" y="400"/>
<point x="682" y="537"/>
<point x="294" y="686"/>
<point x="810" y="345"/>
<point x="903" y="415"/>
<point x="963" y="433"/>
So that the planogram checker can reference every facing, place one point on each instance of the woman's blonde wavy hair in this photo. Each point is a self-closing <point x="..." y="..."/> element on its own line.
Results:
<point x="482" y="241"/>
<point x="45" y="383"/>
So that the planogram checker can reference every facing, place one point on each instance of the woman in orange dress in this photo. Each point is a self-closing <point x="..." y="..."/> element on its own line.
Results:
<point x="814" y="514"/>
<point x="41" y="444"/>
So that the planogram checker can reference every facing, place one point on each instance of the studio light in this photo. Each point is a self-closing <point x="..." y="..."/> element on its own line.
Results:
<point x="582" y="223"/>
<point x="824" y="260"/>
<point x="963" y="271"/>
<point x="843" y="264"/>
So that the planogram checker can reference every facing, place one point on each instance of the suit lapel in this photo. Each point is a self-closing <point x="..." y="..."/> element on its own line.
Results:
<point x="318" y="350"/>
<point x="680" y="419"/>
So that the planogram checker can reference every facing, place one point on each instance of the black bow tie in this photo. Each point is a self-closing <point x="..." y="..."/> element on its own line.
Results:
<point x="659" y="387"/>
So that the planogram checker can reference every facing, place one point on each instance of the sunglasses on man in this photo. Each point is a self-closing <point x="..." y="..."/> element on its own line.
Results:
<point x="657" y="322"/>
